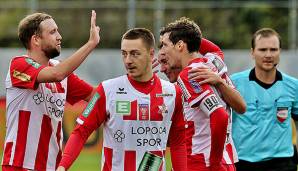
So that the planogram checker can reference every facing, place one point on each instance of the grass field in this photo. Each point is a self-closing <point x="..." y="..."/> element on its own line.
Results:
<point x="91" y="162"/>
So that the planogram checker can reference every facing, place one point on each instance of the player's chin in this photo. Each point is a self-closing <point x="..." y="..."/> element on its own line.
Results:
<point x="172" y="78"/>
<point x="268" y="66"/>
<point x="132" y="73"/>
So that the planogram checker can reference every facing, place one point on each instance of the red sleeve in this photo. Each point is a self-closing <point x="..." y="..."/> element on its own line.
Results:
<point x="77" y="89"/>
<point x="209" y="47"/>
<point x="24" y="72"/>
<point x="91" y="118"/>
<point x="177" y="136"/>
<point x="218" y="126"/>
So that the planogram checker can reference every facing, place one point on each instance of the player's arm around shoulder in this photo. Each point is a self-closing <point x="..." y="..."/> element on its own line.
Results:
<point x="229" y="93"/>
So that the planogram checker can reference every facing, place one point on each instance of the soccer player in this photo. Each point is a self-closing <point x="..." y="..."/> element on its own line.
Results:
<point x="140" y="114"/>
<point x="180" y="41"/>
<point x="263" y="135"/>
<point x="37" y="88"/>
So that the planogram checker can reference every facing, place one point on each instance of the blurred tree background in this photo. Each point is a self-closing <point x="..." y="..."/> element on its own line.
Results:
<point x="228" y="23"/>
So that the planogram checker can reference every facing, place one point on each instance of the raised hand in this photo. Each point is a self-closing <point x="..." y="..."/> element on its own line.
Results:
<point x="94" y="30"/>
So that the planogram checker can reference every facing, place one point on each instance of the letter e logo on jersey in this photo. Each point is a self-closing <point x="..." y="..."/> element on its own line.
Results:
<point x="282" y="114"/>
<point x="123" y="107"/>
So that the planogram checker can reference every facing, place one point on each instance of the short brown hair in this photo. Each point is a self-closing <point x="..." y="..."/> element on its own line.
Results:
<point x="264" y="32"/>
<point x="143" y="33"/>
<point x="29" y="26"/>
<point x="186" y="30"/>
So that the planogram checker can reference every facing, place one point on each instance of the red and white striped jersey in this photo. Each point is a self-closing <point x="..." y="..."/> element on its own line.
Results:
<point x="198" y="132"/>
<point x="34" y="115"/>
<point x="135" y="123"/>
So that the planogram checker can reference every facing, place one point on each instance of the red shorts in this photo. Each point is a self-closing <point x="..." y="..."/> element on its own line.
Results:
<point x="13" y="168"/>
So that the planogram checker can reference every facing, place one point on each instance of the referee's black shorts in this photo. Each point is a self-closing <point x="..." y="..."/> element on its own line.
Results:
<point x="276" y="164"/>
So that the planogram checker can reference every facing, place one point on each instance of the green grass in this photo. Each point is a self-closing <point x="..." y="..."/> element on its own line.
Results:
<point x="91" y="162"/>
<point x="87" y="162"/>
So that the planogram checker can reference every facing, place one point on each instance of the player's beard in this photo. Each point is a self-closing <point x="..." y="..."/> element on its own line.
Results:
<point x="51" y="52"/>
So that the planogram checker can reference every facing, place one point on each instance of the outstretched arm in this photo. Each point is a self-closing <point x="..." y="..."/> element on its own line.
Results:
<point x="66" y="67"/>
<point x="73" y="147"/>
<point x="92" y="117"/>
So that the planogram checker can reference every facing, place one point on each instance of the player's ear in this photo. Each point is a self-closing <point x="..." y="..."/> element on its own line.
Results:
<point x="180" y="45"/>
<point x="252" y="53"/>
<point x="35" y="40"/>
<point x="152" y="53"/>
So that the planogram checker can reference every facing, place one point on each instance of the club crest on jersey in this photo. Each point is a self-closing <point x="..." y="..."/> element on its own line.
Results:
<point x="91" y="105"/>
<point x="32" y="63"/>
<point x="195" y="85"/>
<point x="21" y="76"/>
<point x="123" y="107"/>
<point x="282" y="114"/>
<point x="144" y="111"/>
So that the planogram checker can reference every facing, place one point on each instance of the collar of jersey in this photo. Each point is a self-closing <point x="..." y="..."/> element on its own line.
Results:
<point x="144" y="87"/>
<point x="253" y="77"/>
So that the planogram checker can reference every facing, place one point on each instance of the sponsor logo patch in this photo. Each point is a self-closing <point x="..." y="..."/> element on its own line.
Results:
<point x="123" y="107"/>
<point x="90" y="105"/>
<point x="119" y="136"/>
<point x="282" y="114"/>
<point x="195" y="85"/>
<point x="121" y="91"/>
<point x="32" y="63"/>
<point x="163" y="109"/>
<point x="164" y="95"/>
<point x="218" y="64"/>
<point x="21" y="76"/>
